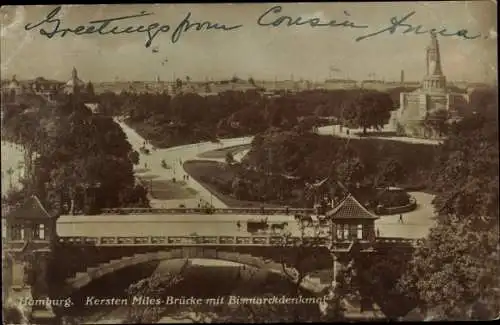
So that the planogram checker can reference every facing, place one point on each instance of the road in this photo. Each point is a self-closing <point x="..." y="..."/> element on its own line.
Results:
<point x="150" y="166"/>
<point x="335" y="130"/>
<point x="416" y="224"/>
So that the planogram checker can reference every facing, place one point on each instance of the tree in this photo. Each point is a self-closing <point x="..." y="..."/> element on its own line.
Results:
<point x="437" y="122"/>
<point x="391" y="171"/>
<point x="368" y="109"/>
<point x="375" y="278"/>
<point x="252" y="82"/>
<point x="154" y="287"/>
<point x="350" y="171"/>
<point x="229" y="158"/>
<point x="239" y="188"/>
<point x="455" y="270"/>
<point x="134" y="157"/>
<point x="178" y="83"/>
<point x="72" y="156"/>
<point x="12" y="315"/>
<point x="90" y="89"/>
<point x="10" y="172"/>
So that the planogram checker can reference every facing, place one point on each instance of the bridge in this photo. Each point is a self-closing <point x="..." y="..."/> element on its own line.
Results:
<point x="247" y="241"/>
<point x="70" y="252"/>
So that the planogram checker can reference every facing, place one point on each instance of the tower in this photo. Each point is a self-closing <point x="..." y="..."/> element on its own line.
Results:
<point x="74" y="78"/>
<point x="74" y="74"/>
<point x="402" y="76"/>
<point x="27" y="247"/>
<point x="352" y="235"/>
<point x="434" y="78"/>
<point x="74" y="85"/>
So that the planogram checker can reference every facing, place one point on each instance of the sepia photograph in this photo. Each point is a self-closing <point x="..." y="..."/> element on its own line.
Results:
<point x="249" y="162"/>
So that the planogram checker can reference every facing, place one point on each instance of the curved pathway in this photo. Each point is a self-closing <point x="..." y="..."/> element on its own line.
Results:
<point x="353" y="134"/>
<point x="150" y="166"/>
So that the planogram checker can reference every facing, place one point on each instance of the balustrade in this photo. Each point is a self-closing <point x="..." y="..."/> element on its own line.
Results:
<point x="265" y="211"/>
<point x="271" y="240"/>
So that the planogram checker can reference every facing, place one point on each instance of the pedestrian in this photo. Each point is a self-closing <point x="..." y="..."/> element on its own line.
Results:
<point x="401" y="218"/>
<point x="378" y="232"/>
<point x="238" y="224"/>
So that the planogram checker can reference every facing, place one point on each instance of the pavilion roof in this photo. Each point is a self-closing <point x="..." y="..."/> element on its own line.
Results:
<point x="31" y="209"/>
<point x="350" y="208"/>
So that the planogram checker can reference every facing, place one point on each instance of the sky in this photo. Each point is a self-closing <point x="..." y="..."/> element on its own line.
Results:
<point x="262" y="52"/>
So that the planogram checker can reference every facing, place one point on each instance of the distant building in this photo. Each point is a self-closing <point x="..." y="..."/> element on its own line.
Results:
<point x="45" y="90"/>
<point x="433" y="95"/>
<point x="340" y="84"/>
<point x="74" y="85"/>
<point x="12" y="89"/>
<point x="94" y="107"/>
<point x="39" y="86"/>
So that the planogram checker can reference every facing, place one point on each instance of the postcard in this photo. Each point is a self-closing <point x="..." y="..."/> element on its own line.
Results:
<point x="249" y="162"/>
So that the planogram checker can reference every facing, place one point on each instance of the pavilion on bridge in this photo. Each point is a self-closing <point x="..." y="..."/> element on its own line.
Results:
<point x="351" y="220"/>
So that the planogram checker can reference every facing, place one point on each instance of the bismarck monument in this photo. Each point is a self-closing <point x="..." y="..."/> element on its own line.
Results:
<point x="432" y="96"/>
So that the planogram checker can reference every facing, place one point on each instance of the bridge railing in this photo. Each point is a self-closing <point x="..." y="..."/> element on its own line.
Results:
<point x="172" y="240"/>
<point x="267" y="240"/>
<point x="397" y="240"/>
<point x="258" y="211"/>
<point x="192" y="240"/>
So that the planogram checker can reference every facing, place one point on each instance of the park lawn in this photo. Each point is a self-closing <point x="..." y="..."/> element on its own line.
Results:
<point x="221" y="153"/>
<point x="166" y="190"/>
<point x="200" y="169"/>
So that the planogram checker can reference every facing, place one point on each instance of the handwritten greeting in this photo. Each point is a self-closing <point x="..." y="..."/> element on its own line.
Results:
<point x="51" y="25"/>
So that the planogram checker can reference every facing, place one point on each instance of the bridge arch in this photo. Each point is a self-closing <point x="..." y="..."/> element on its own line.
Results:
<point x="81" y="279"/>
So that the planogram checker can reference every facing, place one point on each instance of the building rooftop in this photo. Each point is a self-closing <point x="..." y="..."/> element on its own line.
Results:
<point x="350" y="208"/>
<point x="31" y="209"/>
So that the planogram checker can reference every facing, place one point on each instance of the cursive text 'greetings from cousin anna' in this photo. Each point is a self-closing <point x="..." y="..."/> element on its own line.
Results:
<point x="52" y="25"/>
